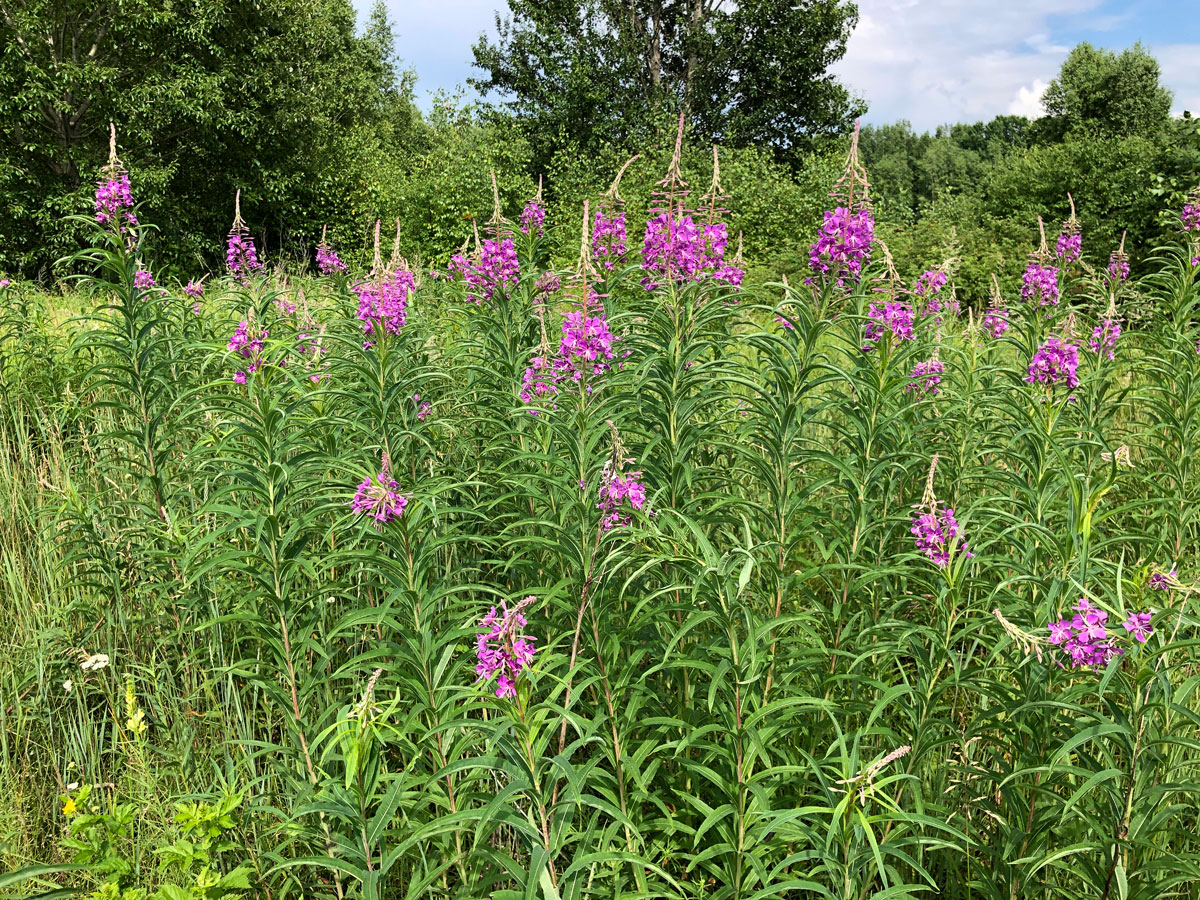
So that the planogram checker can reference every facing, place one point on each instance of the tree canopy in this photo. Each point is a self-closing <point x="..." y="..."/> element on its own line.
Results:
<point x="208" y="95"/>
<point x="1111" y="93"/>
<point x="590" y="71"/>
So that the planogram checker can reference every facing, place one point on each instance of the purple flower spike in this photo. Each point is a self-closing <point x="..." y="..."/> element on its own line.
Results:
<point x="893" y="316"/>
<point x="619" y="495"/>
<point x="1084" y="637"/>
<point x="925" y="378"/>
<point x="609" y="239"/>
<point x="1162" y="581"/>
<point x="380" y="497"/>
<point x="935" y="532"/>
<point x="1054" y="363"/>
<point x="1039" y="285"/>
<point x="241" y="256"/>
<point x="1069" y="247"/>
<point x="328" y="262"/>
<point x="114" y="201"/>
<point x="495" y="273"/>
<point x="383" y="301"/>
<point x="679" y="250"/>
<point x="1138" y="625"/>
<point x="503" y="651"/>
<point x="532" y="218"/>
<point x="1104" y="338"/>
<point x="843" y="247"/>
<point x="1118" y="268"/>
<point x="995" y="321"/>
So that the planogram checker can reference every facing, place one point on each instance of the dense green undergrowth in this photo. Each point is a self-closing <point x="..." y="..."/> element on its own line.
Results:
<point x="219" y="678"/>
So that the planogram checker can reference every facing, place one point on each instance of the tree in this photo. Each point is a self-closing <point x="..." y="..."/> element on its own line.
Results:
<point x="280" y="98"/>
<point x="595" y="71"/>
<point x="1109" y="93"/>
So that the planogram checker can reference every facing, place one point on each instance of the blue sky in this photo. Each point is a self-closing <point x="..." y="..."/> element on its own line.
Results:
<point x="928" y="61"/>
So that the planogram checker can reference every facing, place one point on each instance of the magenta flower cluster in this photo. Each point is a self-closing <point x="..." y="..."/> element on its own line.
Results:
<point x="500" y="266"/>
<point x="503" y="651"/>
<point x="1118" y="268"/>
<point x="1054" y="363"/>
<point x="1039" y="284"/>
<point x="383" y="302"/>
<point x="1161" y="581"/>
<point x="241" y="256"/>
<point x="248" y="343"/>
<point x="423" y="407"/>
<point x="1104" y="338"/>
<point x="928" y="287"/>
<point x="1085" y="636"/>
<point x="532" y="218"/>
<point x="540" y="382"/>
<point x="609" y="239"/>
<point x="843" y="246"/>
<point x="620" y="496"/>
<point x="679" y="250"/>
<point x="894" y="316"/>
<point x="925" y="378"/>
<point x="379" y="497"/>
<point x="1189" y="216"/>
<point x="496" y="272"/>
<point x="936" y="532"/>
<point x="585" y="349"/>
<point x="143" y="280"/>
<point x="546" y="284"/>
<point x="995" y="321"/>
<point x="114" y="201"/>
<point x="328" y="262"/>
<point x="194" y="289"/>
<point x="930" y="282"/>
<point x="586" y="346"/>
<point x="1069" y="246"/>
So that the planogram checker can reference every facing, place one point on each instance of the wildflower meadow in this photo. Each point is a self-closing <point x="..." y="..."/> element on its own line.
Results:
<point x="618" y="575"/>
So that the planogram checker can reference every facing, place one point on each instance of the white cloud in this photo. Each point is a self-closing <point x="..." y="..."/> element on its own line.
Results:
<point x="939" y="61"/>
<point x="1181" y="73"/>
<point x="1028" y="101"/>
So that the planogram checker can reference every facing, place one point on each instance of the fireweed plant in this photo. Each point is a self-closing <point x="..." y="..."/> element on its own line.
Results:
<point x="774" y="651"/>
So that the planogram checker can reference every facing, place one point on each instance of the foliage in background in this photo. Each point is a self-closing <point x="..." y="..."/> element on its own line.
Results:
<point x="316" y="122"/>
<point x="1107" y="139"/>
<point x="210" y="96"/>
<point x="590" y="72"/>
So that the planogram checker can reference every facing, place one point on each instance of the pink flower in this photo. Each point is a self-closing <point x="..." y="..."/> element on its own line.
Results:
<point x="925" y="378"/>
<point x="1054" y="363"/>
<point x="619" y="494"/>
<point x="995" y="320"/>
<point x="380" y="498"/>
<point x="936" y="532"/>
<point x="503" y="651"/>
<point x="1138" y="625"/>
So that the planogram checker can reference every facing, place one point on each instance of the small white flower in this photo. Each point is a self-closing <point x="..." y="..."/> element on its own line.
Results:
<point x="95" y="662"/>
<point x="68" y="686"/>
<point x="73" y="786"/>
